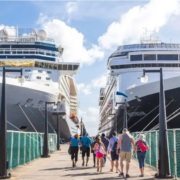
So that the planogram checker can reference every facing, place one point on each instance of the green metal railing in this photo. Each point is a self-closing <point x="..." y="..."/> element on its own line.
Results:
<point x="152" y="138"/>
<point x="23" y="147"/>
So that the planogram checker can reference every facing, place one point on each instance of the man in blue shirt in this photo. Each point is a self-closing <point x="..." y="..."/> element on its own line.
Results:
<point x="86" y="142"/>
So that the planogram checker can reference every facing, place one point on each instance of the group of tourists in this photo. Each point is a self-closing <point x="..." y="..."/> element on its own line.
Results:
<point x="100" y="147"/>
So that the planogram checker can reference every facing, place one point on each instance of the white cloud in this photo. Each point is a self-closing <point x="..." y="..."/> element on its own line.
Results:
<point x="71" y="7"/>
<point x="71" y="40"/>
<point x="86" y="89"/>
<point x="129" y="28"/>
<point x="99" y="82"/>
<point x="90" y="119"/>
<point x="95" y="83"/>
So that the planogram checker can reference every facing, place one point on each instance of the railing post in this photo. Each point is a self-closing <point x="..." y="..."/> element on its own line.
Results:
<point x="150" y="148"/>
<point x="157" y="151"/>
<point x="19" y="148"/>
<point x="11" y="157"/>
<point x="175" y="160"/>
<point x="24" y="148"/>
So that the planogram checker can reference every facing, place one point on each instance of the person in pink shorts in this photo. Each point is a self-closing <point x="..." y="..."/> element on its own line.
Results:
<point x="99" y="155"/>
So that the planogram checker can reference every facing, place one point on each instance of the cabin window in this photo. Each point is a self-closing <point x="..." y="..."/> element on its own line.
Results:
<point x="38" y="77"/>
<point x="40" y="71"/>
<point x="49" y="72"/>
<point x="149" y="57"/>
<point x="27" y="70"/>
<point x="136" y="57"/>
<point x="165" y="57"/>
<point x="47" y="78"/>
<point x="26" y="77"/>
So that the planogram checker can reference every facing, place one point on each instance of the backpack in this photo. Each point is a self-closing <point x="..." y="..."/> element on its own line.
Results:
<point x="114" y="148"/>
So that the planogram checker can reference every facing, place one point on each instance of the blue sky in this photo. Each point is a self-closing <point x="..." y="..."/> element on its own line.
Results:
<point x="90" y="31"/>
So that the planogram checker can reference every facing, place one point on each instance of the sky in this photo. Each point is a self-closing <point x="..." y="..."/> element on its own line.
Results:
<point x="90" y="31"/>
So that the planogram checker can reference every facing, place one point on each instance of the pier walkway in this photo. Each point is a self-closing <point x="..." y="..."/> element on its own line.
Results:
<point x="59" y="167"/>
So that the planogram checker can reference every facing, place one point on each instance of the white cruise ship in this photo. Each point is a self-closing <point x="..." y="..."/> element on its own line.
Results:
<point x="125" y="67"/>
<point x="47" y="79"/>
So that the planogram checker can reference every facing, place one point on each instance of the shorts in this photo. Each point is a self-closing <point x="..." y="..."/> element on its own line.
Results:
<point x="125" y="155"/>
<point x="114" y="156"/>
<point x="87" y="152"/>
<point x="99" y="155"/>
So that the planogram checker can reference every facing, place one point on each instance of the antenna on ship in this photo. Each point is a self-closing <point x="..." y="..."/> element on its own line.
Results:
<point x="150" y="37"/>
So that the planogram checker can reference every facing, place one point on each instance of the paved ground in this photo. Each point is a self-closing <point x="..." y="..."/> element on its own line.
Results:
<point x="58" y="167"/>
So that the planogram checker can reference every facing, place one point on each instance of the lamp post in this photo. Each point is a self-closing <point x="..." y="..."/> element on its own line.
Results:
<point x="3" y="126"/>
<point x="56" y="113"/>
<point x="163" y="164"/>
<point x="45" y="147"/>
<point x="81" y="124"/>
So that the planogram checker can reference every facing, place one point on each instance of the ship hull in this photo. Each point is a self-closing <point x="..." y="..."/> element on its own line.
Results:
<point x="29" y="115"/>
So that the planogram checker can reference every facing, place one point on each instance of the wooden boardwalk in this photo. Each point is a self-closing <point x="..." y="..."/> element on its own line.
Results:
<point x="59" y="167"/>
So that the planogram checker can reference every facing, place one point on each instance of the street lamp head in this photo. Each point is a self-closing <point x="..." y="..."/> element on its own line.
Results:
<point x="144" y="79"/>
<point x="21" y="80"/>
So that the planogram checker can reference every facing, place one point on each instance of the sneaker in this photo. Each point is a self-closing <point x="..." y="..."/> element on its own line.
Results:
<point x="121" y="174"/>
<point x="127" y="175"/>
<point x="83" y="164"/>
<point x="142" y="175"/>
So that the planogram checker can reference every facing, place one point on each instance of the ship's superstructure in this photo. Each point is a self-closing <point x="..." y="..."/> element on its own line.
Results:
<point x="125" y="67"/>
<point x="47" y="79"/>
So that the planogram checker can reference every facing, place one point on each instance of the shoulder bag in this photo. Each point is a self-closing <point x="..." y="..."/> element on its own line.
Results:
<point x="142" y="146"/>
<point x="102" y="150"/>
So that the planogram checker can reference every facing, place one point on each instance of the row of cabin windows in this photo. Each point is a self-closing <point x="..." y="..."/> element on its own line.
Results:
<point x="40" y="71"/>
<point x="39" y="77"/>
<point x="56" y="66"/>
<point x="150" y="57"/>
<point x="144" y="65"/>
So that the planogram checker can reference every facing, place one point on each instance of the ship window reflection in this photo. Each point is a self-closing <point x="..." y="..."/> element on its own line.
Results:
<point x="149" y="57"/>
<point x="69" y="67"/>
<point x="173" y="57"/>
<point x="75" y="67"/>
<point x="65" y="67"/>
<point x="136" y="57"/>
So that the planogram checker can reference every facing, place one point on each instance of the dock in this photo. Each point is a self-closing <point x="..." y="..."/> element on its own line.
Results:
<point x="59" y="167"/>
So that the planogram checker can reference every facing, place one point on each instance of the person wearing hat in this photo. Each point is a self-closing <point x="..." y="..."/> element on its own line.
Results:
<point x="112" y="149"/>
<point x="125" y="141"/>
<point x="86" y="142"/>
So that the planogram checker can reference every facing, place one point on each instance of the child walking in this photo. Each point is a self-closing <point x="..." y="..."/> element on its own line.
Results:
<point x="99" y="155"/>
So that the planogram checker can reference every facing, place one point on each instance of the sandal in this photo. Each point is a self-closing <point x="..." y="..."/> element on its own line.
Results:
<point x="111" y="170"/>
<point x="97" y="169"/>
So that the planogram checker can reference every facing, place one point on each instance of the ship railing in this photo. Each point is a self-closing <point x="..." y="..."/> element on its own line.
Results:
<point x="26" y="38"/>
<point x="7" y="51"/>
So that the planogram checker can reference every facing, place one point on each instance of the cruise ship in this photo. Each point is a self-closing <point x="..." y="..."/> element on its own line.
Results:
<point x="125" y="67"/>
<point x="47" y="79"/>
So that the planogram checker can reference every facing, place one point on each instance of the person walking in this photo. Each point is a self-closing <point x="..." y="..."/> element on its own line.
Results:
<point x="94" y="151"/>
<point x="86" y="142"/>
<point x="112" y="148"/>
<point x="125" y="141"/>
<point x="99" y="155"/>
<point x="74" y="143"/>
<point x="141" y="148"/>
<point x="105" y="141"/>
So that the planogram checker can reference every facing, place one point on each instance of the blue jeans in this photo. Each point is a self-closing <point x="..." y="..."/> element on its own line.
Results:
<point x="141" y="158"/>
